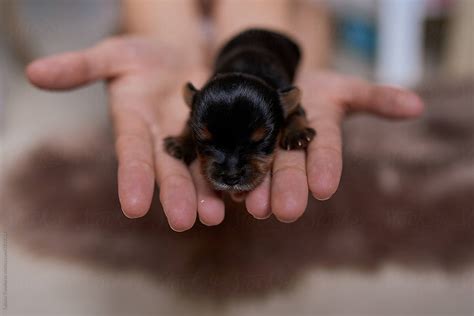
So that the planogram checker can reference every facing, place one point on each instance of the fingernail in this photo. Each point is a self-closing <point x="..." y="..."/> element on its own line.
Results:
<point x="263" y="217"/>
<point x="204" y="222"/>
<point x="287" y="221"/>
<point x="322" y="198"/>
<point x="178" y="230"/>
<point x="207" y="223"/>
<point x="130" y="216"/>
<point x="134" y="210"/>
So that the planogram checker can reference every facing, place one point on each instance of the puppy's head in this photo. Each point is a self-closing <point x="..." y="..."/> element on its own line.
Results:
<point x="235" y="120"/>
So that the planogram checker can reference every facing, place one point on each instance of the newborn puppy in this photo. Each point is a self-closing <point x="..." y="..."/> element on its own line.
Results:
<point x="248" y="105"/>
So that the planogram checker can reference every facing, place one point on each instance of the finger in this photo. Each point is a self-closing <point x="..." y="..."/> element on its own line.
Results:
<point x="177" y="191"/>
<point x="210" y="206"/>
<point x="258" y="200"/>
<point x="73" y="69"/>
<point x="324" y="153"/>
<point x="136" y="176"/>
<point x="289" y="187"/>
<point x="382" y="100"/>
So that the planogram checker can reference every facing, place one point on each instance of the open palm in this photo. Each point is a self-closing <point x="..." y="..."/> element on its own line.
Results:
<point x="144" y="82"/>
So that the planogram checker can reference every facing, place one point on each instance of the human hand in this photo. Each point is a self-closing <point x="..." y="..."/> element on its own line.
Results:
<point x="327" y="98"/>
<point x="142" y="79"/>
<point x="145" y="107"/>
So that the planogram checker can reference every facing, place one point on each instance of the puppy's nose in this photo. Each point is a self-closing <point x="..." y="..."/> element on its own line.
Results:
<point x="231" y="179"/>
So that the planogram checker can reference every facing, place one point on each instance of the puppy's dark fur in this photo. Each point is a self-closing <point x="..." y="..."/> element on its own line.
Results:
<point x="246" y="107"/>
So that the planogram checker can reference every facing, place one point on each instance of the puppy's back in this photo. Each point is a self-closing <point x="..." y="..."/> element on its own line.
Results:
<point x="252" y="49"/>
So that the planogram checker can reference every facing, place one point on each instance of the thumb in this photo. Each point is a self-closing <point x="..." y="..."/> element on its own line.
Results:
<point x="74" y="69"/>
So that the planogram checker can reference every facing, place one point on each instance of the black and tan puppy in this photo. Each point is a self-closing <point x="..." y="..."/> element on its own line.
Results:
<point x="247" y="107"/>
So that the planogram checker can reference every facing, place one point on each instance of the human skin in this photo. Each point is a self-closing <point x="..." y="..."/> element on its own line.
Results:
<point x="144" y="78"/>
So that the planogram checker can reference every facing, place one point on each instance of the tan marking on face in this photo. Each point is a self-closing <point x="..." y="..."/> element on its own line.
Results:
<point x="204" y="134"/>
<point x="258" y="134"/>
<point x="261" y="164"/>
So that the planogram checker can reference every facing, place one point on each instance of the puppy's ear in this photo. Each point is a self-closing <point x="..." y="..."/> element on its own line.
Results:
<point x="289" y="99"/>
<point x="189" y="91"/>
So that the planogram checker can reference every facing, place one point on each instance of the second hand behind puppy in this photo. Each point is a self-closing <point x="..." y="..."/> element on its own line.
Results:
<point x="246" y="107"/>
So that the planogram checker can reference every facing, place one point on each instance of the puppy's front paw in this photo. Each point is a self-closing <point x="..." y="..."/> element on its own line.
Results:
<point x="297" y="138"/>
<point x="177" y="148"/>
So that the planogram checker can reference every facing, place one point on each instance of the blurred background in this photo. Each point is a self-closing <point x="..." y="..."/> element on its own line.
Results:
<point x="396" y="239"/>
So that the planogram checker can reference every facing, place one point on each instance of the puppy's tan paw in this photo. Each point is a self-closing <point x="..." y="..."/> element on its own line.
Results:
<point x="297" y="138"/>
